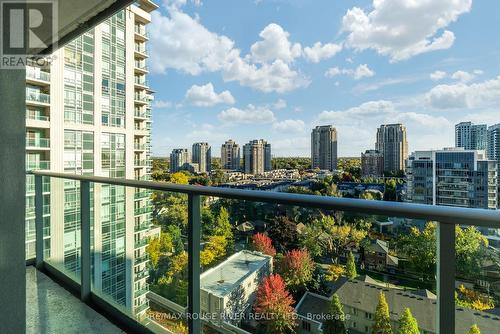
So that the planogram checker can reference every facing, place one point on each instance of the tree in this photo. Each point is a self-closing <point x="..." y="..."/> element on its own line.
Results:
<point x="350" y="268"/>
<point x="283" y="233"/>
<point x="297" y="268"/>
<point x="334" y="272"/>
<point x="262" y="243"/>
<point x="310" y="238"/>
<point x="214" y="250"/>
<point x="179" y="178"/>
<point x="158" y="247"/>
<point x="274" y="304"/>
<point x="407" y="323"/>
<point x="382" y="319"/>
<point x="474" y="330"/>
<point x="335" y="323"/>
<point x="420" y="249"/>
<point x="222" y="225"/>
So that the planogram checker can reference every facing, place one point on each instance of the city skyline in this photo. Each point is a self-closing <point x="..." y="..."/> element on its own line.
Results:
<point x="325" y="72"/>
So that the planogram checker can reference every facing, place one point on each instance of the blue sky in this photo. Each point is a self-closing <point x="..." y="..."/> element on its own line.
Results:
<point x="273" y="69"/>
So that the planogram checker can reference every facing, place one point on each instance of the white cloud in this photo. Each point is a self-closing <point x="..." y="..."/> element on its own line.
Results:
<point x="275" y="45"/>
<point x="319" y="51"/>
<point x="290" y="125"/>
<point x="333" y="71"/>
<point x="280" y="104"/>
<point x="462" y="76"/>
<point x="206" y="132"/>
<point x="401" y="29"/>
<point x="251" y="114"/>
<point x="205" y="96"/>
<point x="275" y="77"/>
<point x="462" y="95"/>
<point x="290" y="146"/>
<point x="182" y="43"/>
<point x="161" y="104"/>
<point x="362" y="71"/>
<point x="438" y="75"/>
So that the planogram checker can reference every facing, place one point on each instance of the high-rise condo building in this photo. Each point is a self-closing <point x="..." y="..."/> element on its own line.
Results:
<point x="230" y="155"/>
<point x="257" y="157"/>
<point x="372" y="164"/>
<point x="452" y="177"/>
<point x="393" y="144"/>
<point x="201" y="154"/>
<point x="471" y="136"/>
<point x="90" y="114"/>
<point x="494" y="143"/>
<point x="324" y="147"/>
<point x="178" y="159"/>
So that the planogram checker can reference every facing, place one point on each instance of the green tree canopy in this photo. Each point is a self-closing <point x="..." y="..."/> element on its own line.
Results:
<point x="350" y="268"/>
<point x="382" y="318"/>
<point x="407" y="323"/>
<point x="335" y="323"/>
<point x="474" y="330"/>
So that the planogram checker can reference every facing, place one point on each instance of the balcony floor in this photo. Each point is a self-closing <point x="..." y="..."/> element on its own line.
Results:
<point x="52" y="309"/>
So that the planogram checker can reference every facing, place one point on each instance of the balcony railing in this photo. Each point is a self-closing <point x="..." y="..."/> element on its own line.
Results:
<point x="38" y="142"/>
<point x="446" y="217"/>
<point x="37" y="97"/>
<point x="37" y="75"/>
<point x="34" y="165"/>
<point x="36" y="116"/>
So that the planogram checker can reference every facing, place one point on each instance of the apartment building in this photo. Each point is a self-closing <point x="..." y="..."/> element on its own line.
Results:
<point x="179" y="158"/>
<point x="372" y="164"/>
<point x="201" y="154"/>
<point x="324" y="147"/>
<point x="452" y="177"/>
<point x="257" y="157"/>
<point x="471" y="136"/>
<point x="393" y="144"/>
<point x="494" y="143"/>
<point x="89" y="113"/>
<point x="230" y="155"/>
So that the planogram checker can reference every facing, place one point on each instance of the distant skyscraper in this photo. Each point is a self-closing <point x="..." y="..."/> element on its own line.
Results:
<point x="470" y="136"/>
<point x="494" y="143"/>
<point x="372" y="163"/>
<point x="392" y="143"/>
<point x="202" y="155"/>
<point x="452" y="177"/>
<point x="178" y="158"/>
<point x="324" y="147"/>
<point x="257" y="157"/>
<point x="230" y="155"/>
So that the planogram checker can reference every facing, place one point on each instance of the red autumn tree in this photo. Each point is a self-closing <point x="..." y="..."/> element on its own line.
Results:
<point x="297" y="268"/>
<point x="262" y="243"/>
<point x="274" y="305"/>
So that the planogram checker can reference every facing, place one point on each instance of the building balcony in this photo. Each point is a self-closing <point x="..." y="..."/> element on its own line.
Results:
<point x="37" y="98"/>
<point x="435" y="297"/>
<point x="37" y="143"/>
<point x="37" y="77"/>
<point x="36" y="116"/>
<point x="140" y="33"/>
<point x="36" y="165"/>
<point x="142" y="227"/>
<point x="140" y="67"/>
<point x="140" y="52"/>
<point x="143" y="210"/>
<point x="141" y="83"/>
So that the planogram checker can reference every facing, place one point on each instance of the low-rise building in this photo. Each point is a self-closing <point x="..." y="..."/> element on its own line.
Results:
<point x="372" y="164"/>
<point x="229" y="289"/>
<point x="376" y="256"/>
<point x="359" y="298"/>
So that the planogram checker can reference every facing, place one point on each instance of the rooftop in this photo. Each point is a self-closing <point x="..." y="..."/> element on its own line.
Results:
<point x="222" y="279"/>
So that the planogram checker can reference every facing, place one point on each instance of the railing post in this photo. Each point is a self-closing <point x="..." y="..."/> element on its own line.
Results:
<point x="194" y="227"/>
<point x="85" y="240"/>
<point x="445" y="279"/>
<point x="39" y="221"/>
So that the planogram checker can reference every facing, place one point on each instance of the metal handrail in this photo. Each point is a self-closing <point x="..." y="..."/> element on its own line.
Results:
<point x="443" y="214"/>
<point x="446" y="217"/>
